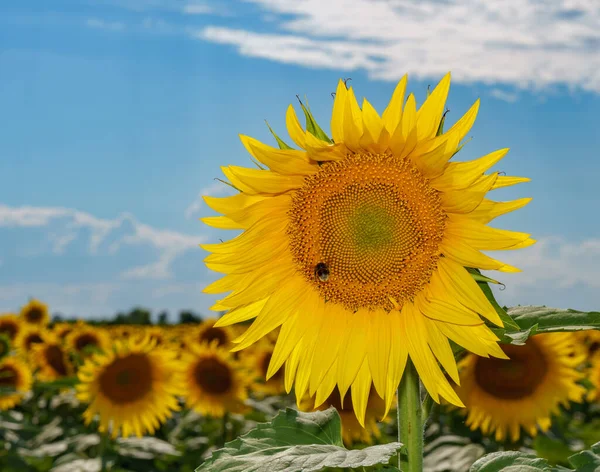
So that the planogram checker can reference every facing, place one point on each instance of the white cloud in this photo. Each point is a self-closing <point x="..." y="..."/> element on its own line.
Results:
<point x="528" y="44"/>
<point x="216" y="189"/>
<point x="197" y="9"/>
<point x="106" y="25"/>
<point x="503" y="95"/>
<point x="125" y="229"/>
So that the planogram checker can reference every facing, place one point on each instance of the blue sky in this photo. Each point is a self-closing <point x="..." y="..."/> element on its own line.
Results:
<point x="116" y="115"/>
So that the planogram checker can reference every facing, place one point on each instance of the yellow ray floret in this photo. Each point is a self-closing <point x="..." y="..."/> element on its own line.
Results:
<point x="356" y="247"/>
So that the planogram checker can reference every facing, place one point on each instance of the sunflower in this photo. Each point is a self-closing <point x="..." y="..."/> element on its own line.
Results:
<point x="214" y="382"/>
<point x="351" y="243"/>
<point x="132" y="387"/>
<point x="259" y="364"/>
<point x="28" y="336"/>
<point x="4" y="346"/>
<point x="593" y="373"/>
<point x="591" y="339"/>
<point x="62" y="330"/>
<point x="14" y="374"/>
<point x="52" y="360"/>
<point x="352" y="431"/>
<point x="35" y="313"/>
<point x="84" y="338"/>
<point x="155" y="333"/>
<point x="207" y="332"/>
<point x="10" y="325"/>
<point x="502" y="396"/>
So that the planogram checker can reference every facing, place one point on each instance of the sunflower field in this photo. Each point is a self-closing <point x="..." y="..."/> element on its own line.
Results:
<point x="357" y="330"/>
<point x="84" y="397"/>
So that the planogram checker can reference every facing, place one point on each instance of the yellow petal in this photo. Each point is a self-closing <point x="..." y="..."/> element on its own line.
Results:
<point x="241" y="313"/>
<point x="465" y="123"/>
<point x="221" y="222"/>
<point x="393" y="112"/>
<point x="294" y="127"/>
<point x="488" y="209"/>
<point x="481" y="236"/>
<point x="378" y="348"/>
<point x="458" y="250"/>
<point x="353" y="347"/>
<point x="507" y="181"/>
<point x="360" y="392"/>
<point x="282" y="161"/>
<point x="398" y="357"/>
<point x="337" y="116"/>
<point x="326" y="387"/>
<point x="404" y="138"/>
<point x="232" y="203"/>
<point x="459" y="175"/>
<point x="255" y="181"/>
<point x="352" y="122"/>
<point x="433" y="162"/>
<point x="372" y="127"/>
<point x="430" y="114"/>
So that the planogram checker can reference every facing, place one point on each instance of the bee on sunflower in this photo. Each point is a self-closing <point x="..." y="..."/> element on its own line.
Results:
<point x="503" y="396"/>
<point x="356" y="247"/>
<point x="15" y="374"/>
<point x="35" y="313"/>
<point x="214" y="382"/>
<point x="132" y="387"/>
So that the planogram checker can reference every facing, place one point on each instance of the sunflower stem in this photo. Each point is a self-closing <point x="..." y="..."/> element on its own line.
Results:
<point x="410" y="425"/>
<point x="104" y="441"/>
<point x="224" y="431"/>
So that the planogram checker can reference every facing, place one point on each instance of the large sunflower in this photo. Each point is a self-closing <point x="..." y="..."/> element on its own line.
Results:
<point x="214" y="382"/>
<point x="16" y="375"/>
<point x="132" y="387"/>
<point x="503" y="395"/>
<point x="10" y="325"/>
<point x="83" y="339"/>
<point x="51" y="359"/>
<point x="35" y="313"/>
<point x="357" y="246"/>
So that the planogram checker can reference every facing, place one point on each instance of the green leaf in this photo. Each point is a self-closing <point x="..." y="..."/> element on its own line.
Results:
<point x="440" y="130"/>
<point x="554" y="319"/>
<point x="311" y="125"/>
<point x="295" y="441"/>
<point x="58" y="384"/>
<point x="511" y="461"/>
<point x="553" y="449"/>
<point x="587" y="461"/>
<point x="515" y="337"/>
<point x="280" y="142"/>
<point x="482" y="281"/>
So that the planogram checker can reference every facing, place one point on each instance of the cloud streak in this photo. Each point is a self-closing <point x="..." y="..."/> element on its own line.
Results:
<point x="125" y="230"/>
<point x="526" y="44"/>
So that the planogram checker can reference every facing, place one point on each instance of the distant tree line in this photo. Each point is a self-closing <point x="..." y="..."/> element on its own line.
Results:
<point x="138" y="316"/>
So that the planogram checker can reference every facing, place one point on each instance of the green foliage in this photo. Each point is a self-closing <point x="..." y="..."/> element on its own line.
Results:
<point x="515" y="461"/>
<point x="554" y="319"/>
<point x="280" y="142"/>
<point x="311" y="125"/>
<point x="296" y="441"/>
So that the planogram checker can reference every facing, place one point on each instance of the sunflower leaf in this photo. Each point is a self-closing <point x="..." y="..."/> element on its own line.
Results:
<point x="511" y="461"/>
<point x="482" y="281"/>
<point x="295" y="441"/>
<point x="518" y="338"/>
<point x="587" y="461"/>
<point x="311" y="125"/>
<point x="554" y="319"/>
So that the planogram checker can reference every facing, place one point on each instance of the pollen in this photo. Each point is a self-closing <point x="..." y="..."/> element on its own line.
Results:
<point x="375" y="223"/>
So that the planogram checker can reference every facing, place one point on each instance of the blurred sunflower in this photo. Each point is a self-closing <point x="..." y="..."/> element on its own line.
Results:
<point x="84" y="339"/>
<point x="132" y="387"/>
<point x="351" y="243"/>
<point x="502" y="396"/>
<point x="207" y="332"/>
<point x="35" y="313"/>
<point x="591" y="340"/>
<point x="10" y="325"/>
<point x="14" y="374"/>
<point x="352" y="431"/>
<point x="5" y="347"/>
<point x="62" y="330"/>
<point x="28" y="336"/>
<point x="258" y="363"/>
<point x="594" y="375"/>
<point x="214" y="382"/>
<point x="156" y="334"/>
<point x="52" y="360"/>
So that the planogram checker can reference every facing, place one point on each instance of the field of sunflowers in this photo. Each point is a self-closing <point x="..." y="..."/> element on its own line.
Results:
<point x="85" y="397"/>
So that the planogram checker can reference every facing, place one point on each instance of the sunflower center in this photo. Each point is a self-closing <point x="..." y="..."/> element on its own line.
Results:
<point x="8" y="376"/>
<point x="127" y="379"/>
<point x="367" y="229"/>
<point x="513" y="378"/>
<point x="84" y="341"/>
<point x="34" y="315"/>
<point x="55" y="359"/>
<point x="213" y="376"/>
<point x="10" y="329"/>
<point x="214" y="333"/>
<point x="32" y="339"/>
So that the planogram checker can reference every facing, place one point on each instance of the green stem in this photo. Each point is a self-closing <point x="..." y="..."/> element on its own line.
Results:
<point x="104" y="440"/>
<point x="409" y="420"/>
<point x="224" y="430"/>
